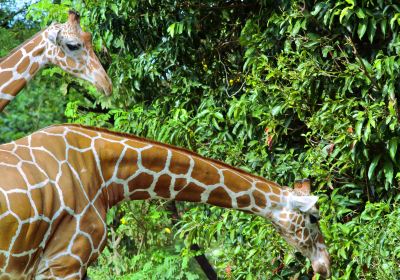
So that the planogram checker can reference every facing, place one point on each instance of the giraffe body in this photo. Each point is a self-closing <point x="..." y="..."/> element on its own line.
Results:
<point x="58" y="183"/>
<point x="64" y="45"/>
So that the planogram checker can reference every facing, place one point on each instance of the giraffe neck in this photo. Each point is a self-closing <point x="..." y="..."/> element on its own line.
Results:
<point x="59" y="182"/>
<point x="20" y="66"/>
<point x="137" y="169"/>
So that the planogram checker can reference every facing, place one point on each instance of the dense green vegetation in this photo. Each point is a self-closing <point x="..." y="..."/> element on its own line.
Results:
<point x="283" y="89"/>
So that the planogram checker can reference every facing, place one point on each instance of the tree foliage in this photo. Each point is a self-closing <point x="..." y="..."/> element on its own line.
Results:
<point x="283" y="89"/>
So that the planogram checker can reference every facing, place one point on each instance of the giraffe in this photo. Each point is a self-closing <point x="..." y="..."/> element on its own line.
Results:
<point x="58" y="183"/>
<point x="64" y="45"/>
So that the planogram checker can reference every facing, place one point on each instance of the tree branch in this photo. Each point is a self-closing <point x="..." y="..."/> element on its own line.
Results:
<point x="5" y="21"/>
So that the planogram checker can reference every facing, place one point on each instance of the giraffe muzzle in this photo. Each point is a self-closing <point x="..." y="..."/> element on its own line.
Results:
<point x="104" y="85"/>
<point x="322" y="267"/>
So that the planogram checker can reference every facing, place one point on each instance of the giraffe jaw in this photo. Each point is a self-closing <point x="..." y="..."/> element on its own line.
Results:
<point x="320" y="261"/>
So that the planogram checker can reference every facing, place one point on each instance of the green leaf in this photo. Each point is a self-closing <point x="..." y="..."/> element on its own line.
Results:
<point x="362" y="27"/>
<point x="345" y="12"/>
<point x="296" y="28"/>
<point x="383" y="24"/>
<point x="326" y="50"/>
<point x="394" y="20"/>
<point x="136" y="84"/>
<point x="371" y="30"/>
<point x="367" y="132"/>
<point x="215" y="123"/>
<point x="114" y="8"/>
<point x="359" y="126"/>
<point x="219" y="116"/>
<point x="275" y="111"/>
<point x="251" y="253"/>
<point x="393" y="148"/>
<point x="389" y="64"/>
<point x="373" y="165"/>
<point x="171" y="30"/>
<point x="388" y="169"/>
<point x="317" y="8"/>
<point x="360" y="13"/>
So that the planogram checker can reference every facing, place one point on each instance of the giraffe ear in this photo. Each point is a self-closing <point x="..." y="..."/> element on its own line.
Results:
<point x="303" y="203"/>
<point x="54" y="36"/>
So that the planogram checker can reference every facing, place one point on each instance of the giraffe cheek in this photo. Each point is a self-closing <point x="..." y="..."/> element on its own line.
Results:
<point x="61" y="54"/>
<point x="60" y="62"/>
<point x="71" y="63"/>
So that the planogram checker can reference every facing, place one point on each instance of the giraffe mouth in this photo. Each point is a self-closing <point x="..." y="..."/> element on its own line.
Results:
<point x="104" y="85"/>
<point x="106" y="90"/>
<point x="322" y="267"/>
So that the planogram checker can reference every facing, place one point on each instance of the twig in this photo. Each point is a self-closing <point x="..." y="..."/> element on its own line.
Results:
<point x="226" y="73"/>
<point x="236" y="92"/>
<point x="363" y="67"/>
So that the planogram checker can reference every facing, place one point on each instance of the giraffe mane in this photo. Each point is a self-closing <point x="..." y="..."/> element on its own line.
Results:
<point x="134" y="137"/>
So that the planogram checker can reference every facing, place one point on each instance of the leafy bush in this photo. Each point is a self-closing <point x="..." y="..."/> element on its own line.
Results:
<point x="283" y="89"/>
<point x="141" y="246"/>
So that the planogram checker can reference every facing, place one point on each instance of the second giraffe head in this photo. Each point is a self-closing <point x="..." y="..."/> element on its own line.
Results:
<point x="71" y="49"/>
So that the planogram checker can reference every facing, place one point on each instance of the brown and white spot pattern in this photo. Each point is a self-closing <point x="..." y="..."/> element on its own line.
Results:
<point x="52" y="46"/>
<point x="58" y="183"/>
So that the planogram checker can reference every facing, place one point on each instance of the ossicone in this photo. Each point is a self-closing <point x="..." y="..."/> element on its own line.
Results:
<point x="73" y="17"/>
<point x="303" y="186"/>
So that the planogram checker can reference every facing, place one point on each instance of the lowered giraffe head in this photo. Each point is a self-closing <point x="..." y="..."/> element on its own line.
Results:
<point x="71" y="49"/>
<point x="297" y="220"/>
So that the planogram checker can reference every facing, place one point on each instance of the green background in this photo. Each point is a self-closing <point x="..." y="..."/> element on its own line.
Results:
<point x="283" y="89"/>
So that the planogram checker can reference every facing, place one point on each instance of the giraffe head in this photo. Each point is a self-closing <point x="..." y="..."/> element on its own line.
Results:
<point x="71" y="49"/>
<point x="297" y="221"/>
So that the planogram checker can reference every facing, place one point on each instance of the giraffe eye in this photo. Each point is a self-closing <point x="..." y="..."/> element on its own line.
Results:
<point x="313" y="219"/>
<point x="73" y="47"/>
